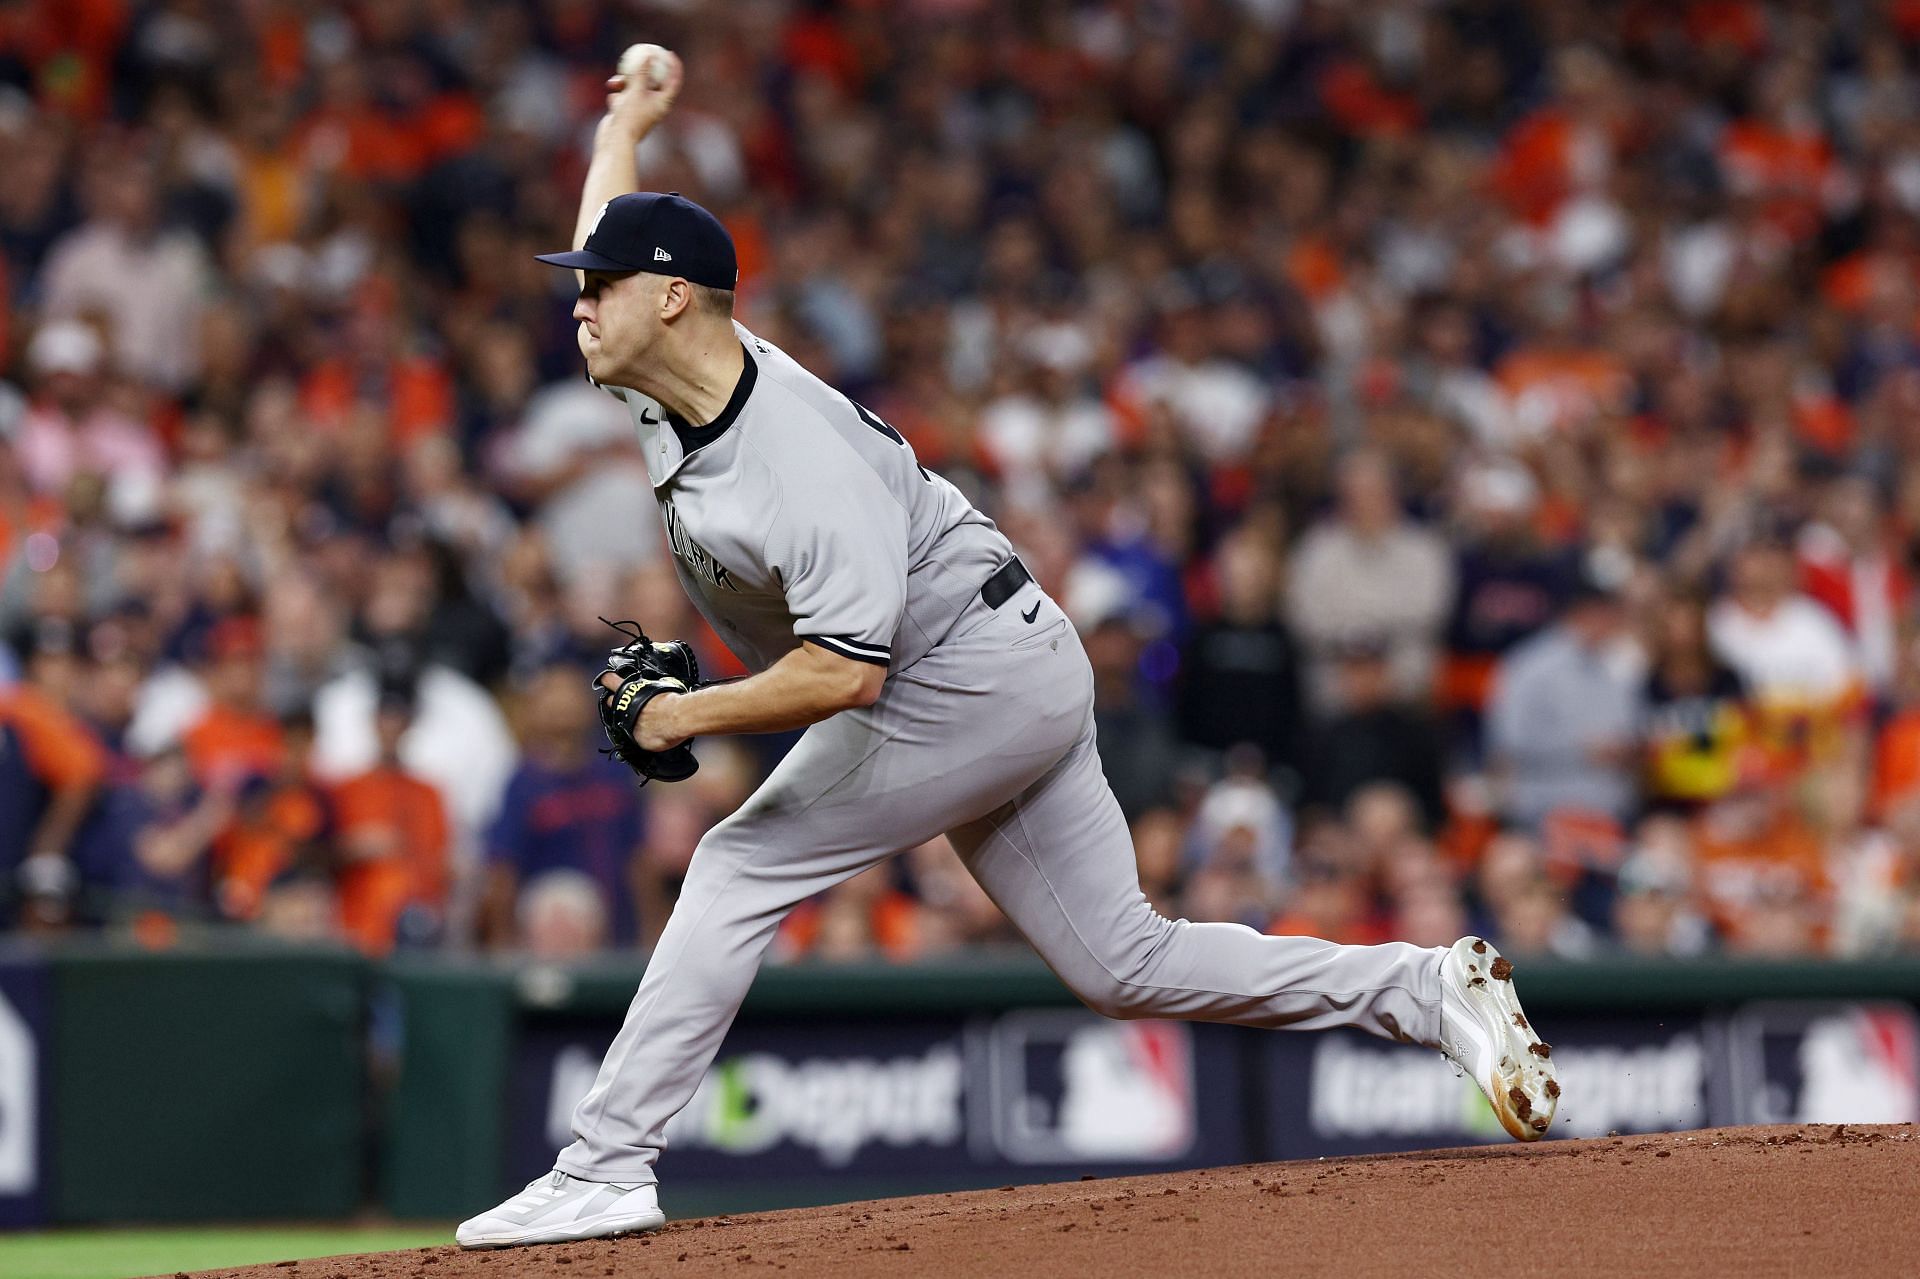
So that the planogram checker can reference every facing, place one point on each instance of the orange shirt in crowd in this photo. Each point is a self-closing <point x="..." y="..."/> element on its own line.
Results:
<point x="752" y="252"/>
<point x="1787" y="169"/>
<point x="1358" y="932"/>
<point x="71" y="46"/>
<point x="1547" y="157"/>
<point x="1355" y="98"/>
<point x="818" y="43"/>
<point x="1740" y="24"/>
<point x="391" y="830"/>
<point x="1849" y="285"/>
<point x="1313" y="267"/>
<point x="419" y="396"/>
<point x="1896" y="761"/>
<point x="261" y="842"/>
<point x="1574" y="841"/>
<point x="273" y="196"/>
<point x="893" y="924"/>
<point x="229" y="743"/>
<point x="282" y="46"/>
<point x="37" y="514"/>
<point x="1463" y="840"/>
<point x="59" y="749"/>
<point x="1532" y="172"/>
<point x="1794" y="734"/>
<point x="1335" y="908"/>
<point x="1783" y="857"/>
<point x="1563" y="386"/>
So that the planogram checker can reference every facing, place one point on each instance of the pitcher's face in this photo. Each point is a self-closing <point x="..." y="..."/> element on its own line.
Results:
<point x="620" y="320"/>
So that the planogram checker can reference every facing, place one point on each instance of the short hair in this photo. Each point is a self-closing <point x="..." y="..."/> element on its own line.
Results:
<point x="712" y="301"/>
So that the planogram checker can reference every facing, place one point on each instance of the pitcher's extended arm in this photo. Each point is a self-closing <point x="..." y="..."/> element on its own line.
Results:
<point x="802" y="688"/>
<point x="633" y="109"/>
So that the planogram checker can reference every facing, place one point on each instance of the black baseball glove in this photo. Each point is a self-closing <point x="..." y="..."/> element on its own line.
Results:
<point x="645" y="670"/>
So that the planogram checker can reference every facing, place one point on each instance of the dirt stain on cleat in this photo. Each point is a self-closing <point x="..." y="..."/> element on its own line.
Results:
<point x="1502" y="968"/>
<point x="1479" y="947"/>
<point x="1542" y="1050"/>
<point x="1540" y="1124"/>
<point x="1520" y="1021"/>
<point x="1476" y="981"/>
<point x="1522" y="1104"/>
<point x="1553" y="1087"/>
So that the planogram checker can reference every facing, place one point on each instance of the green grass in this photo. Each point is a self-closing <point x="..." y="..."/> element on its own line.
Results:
<point x="116" y="1254"/>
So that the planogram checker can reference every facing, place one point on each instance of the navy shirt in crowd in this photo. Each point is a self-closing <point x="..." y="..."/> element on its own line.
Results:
<point x="586" y="819"/>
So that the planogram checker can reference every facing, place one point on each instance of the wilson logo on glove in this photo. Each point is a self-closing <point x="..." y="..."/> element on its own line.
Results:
<point x="645" y="670"/>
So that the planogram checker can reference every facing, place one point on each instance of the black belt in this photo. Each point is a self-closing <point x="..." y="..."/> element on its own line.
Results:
<point x="1006" y="579"/>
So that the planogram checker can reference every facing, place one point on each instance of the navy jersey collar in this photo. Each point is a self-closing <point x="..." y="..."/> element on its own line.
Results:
<point x="698" y="437"/>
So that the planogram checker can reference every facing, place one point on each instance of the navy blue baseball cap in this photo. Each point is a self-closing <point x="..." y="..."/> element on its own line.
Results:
<point x="666" y="234"/>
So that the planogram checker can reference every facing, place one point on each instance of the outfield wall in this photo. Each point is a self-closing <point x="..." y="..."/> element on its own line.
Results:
<point x="272" y="1082"/>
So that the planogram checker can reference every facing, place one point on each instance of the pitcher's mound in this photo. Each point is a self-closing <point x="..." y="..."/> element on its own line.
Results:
<point x="1806" y="1200"/>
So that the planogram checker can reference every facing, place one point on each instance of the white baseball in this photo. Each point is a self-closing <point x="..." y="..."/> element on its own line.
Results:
<point x="650" y="58"/>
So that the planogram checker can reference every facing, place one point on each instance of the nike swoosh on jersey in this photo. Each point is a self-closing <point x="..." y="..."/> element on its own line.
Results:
<point x="1032" y="613"/>
<point x="649" y="421"/>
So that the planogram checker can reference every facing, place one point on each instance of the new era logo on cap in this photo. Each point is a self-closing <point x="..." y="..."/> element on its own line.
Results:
<point x="633" y="233"/>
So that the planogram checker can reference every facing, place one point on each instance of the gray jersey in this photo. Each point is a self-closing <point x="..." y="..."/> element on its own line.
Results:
<point x="799" y="515"/>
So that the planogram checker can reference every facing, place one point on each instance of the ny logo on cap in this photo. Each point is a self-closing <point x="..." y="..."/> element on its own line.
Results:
<point x="661" y="255"/>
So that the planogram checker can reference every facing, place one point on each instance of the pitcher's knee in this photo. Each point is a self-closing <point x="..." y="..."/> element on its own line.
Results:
<point x="1118" y="980"/>
<point x="1109" y="996"/>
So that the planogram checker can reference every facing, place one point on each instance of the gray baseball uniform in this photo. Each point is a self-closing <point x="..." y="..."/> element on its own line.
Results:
<point x="799" y="515"/>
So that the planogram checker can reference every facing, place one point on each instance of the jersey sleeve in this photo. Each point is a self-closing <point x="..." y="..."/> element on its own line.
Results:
<point x="841" y="557"/>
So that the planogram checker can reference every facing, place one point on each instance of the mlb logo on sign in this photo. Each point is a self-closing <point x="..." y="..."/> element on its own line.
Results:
<point x="1070" y="1086"/>
<point x="1824" y="1063"/>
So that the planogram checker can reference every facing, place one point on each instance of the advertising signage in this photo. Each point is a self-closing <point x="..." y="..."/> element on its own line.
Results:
<point x="1759" y="1063"/>
<point x="23" y="1092"/>
<point x="887" y="1105"/>
<point x="1341" y="1093"/>
<point x="1037" y="1092"/>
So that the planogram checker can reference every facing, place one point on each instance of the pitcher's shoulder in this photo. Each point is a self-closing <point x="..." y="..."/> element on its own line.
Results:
<point x="762" y="349"/>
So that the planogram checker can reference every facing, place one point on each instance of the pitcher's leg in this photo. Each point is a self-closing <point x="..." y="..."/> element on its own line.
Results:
<point x="1059" y="861"/>
<point x="695" y="980"/>
<point x="856" y="789"/>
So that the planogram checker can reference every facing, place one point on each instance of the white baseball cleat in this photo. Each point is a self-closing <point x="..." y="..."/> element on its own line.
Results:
<point x="1487" y="1038"/>
<point x="559" y="1208"/>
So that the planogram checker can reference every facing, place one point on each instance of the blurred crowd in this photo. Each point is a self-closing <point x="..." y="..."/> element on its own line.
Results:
<point x="1476" y="440"/>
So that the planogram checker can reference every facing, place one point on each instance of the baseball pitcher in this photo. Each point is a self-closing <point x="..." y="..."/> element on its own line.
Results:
<point x="942" y="692"/>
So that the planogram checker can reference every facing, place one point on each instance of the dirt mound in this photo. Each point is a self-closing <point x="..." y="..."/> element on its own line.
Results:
<point x="1720" y="1201"/>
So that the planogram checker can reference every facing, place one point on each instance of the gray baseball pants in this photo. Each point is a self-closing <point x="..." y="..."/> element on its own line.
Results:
<point x="989" y="740"/>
